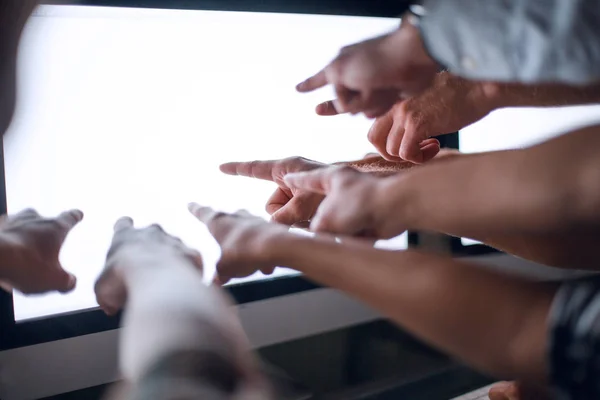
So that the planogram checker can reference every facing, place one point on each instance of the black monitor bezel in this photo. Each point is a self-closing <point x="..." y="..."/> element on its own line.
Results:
<point x="31" y="332"/>
<point x="458" y="249"/>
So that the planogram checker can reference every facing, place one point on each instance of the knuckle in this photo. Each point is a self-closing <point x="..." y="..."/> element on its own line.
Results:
<point x="253" y="165"/>
<point x="373" y="135"/>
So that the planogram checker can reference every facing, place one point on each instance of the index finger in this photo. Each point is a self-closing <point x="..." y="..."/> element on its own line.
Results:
<point x="327" y="108"/>
<point x="70" y="218"/>
<point x="204" y="214"/>
<point x="123" y="223"/>
<point x="317" y="181"/>
<point x="253" y="169"/>
<point x="315" y="82"/>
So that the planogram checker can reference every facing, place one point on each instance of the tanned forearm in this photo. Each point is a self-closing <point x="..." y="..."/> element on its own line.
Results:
<point x="564" y="250"/>
<point x="503" y="95"/>
<point x="549" y="188"/>
<point x="438" y="299"/>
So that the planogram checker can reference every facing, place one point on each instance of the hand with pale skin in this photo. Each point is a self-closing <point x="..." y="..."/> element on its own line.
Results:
<point x="286" y="206"/>
<point x="371" y="76"/>
<point x="453" y="103"/>
<point x="296" y="207"/>
<point x="354" y="190"/>
<point x="158" y="281"/>
<point x="30" y="246"/>
<point x="242" y="238"/>
<point x="408" y="287"/>
<point x="130" y="250"/>
<point x="405" y="131"/>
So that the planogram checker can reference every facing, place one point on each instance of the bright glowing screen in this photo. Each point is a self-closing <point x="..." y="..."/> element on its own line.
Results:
<point x="131" y="111"/>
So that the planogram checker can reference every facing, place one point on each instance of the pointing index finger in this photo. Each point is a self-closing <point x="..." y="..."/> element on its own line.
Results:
<point x="328" y="108"/>
<point x="70" y="218"/>
<point x="204" y="214"/>
<point x="315" y="82"/>
<point x="123" y="223"/>
<point x="253" y="169"/>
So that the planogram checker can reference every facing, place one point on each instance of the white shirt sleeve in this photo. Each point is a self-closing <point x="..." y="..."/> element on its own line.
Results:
<point x="529" y="41"/>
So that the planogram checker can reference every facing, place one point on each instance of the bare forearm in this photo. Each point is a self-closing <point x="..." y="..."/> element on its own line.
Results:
<point x="440" y="300"/>
<point x="552" y="187"/>
<point x="547" y="95"/>
<point x="564" y="250"/>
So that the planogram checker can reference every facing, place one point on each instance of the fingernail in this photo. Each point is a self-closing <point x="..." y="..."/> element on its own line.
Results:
<point x="301" y="85"/>
<point x="193" y="207"/>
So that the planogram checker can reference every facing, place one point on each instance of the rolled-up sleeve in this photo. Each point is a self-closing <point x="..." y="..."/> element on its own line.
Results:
<point x="574" y="354"/>
<point x="529" y="41"/>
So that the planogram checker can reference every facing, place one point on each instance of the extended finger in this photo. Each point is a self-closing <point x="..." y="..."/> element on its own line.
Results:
<point x="218" y="223"/>
<point x="61" y="280"/>
<point x="253" y="169"/>
<point x="69" y="219"/>
<point x="315" y="82"/>
<point x="204" y="214"/>
<point x="317" y="181"/>
<point x="327" y="108"/>
<point x="123" y="223"/>
<point x="301" y="208"/>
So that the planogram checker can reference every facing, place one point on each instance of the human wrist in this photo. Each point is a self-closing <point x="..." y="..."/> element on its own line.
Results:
<point x="138" y="263"/>
<point x="501" y="95"/>
<point x="274" y="248"/>
<point x="288" y="250"/>
<point x="396" y="203"/>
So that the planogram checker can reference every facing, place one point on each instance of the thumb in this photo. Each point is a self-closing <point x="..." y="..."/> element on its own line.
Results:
<point x="62" y="281"/>
<point x="300" y="208"/>
<point x="69" y="219"/>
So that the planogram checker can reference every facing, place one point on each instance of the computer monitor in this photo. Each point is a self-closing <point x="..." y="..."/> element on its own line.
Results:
<point x="129" y="111"/>
<point x="513" y="128"/>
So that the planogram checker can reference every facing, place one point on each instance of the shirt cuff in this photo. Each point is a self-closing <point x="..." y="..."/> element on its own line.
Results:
<point x="574" y="343"/>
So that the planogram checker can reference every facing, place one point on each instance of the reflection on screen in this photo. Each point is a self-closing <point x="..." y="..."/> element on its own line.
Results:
<point x="514" y="128"/>
<point x="131" y="111"/>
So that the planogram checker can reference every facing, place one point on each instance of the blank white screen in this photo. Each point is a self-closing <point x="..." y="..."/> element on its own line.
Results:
<point x="513" y="128"/>
<point x="131" y="111"/>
